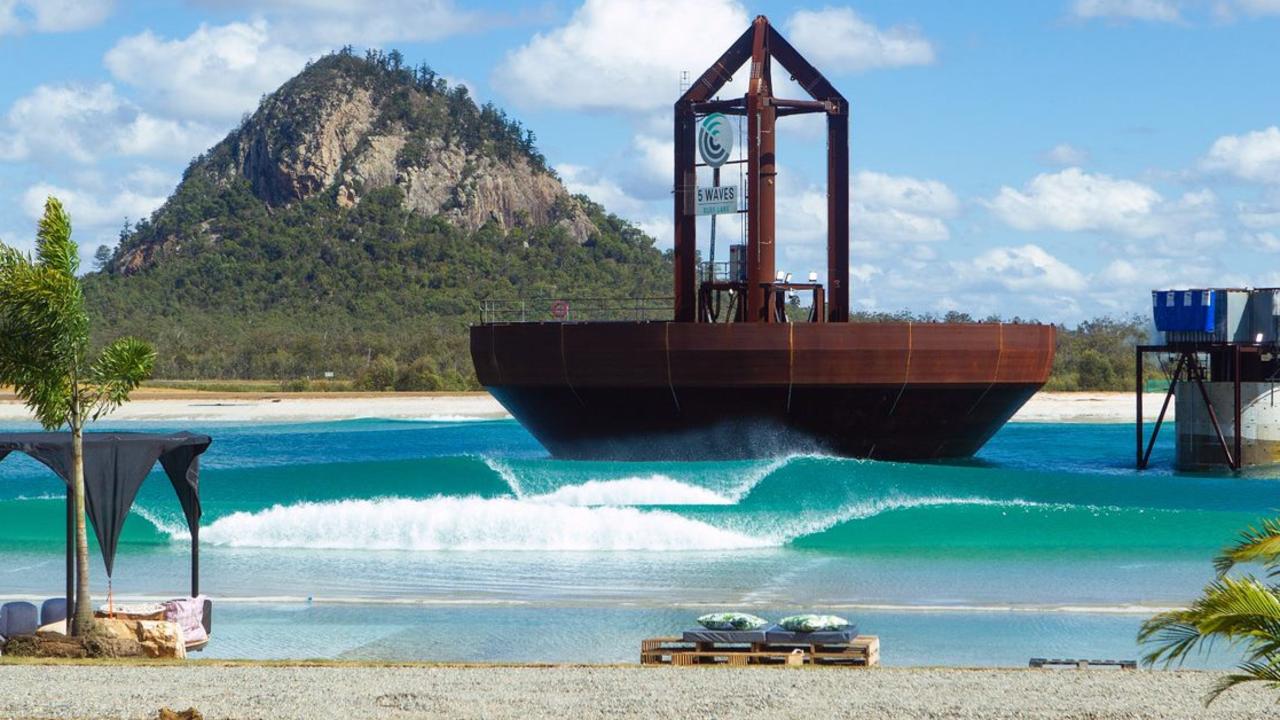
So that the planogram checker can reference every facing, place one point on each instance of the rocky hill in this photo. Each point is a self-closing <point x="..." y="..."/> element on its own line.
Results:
<point x="361" y="212"/>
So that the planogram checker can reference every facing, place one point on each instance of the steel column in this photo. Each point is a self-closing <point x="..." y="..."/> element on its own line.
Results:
<point x="838" y="214"/>
<point x="757" y="299"/>
<point x="195" y="560"/>
<point x="686" y="228"/>
<point x="1239" y="457"/>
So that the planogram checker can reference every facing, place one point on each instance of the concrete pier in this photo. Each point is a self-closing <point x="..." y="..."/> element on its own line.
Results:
<point x="1198" y="446"/>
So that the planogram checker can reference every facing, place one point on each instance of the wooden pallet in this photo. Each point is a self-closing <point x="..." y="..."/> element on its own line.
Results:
<point x="1083" y="664"/>
<point x="864" y="651"/>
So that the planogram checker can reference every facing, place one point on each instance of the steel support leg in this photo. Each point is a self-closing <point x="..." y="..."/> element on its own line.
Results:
<point x="1145" y="457"/>
<point x="1138" y="388"/>
<point x="1213" y="416"/>
<point x="1239" y="411"/>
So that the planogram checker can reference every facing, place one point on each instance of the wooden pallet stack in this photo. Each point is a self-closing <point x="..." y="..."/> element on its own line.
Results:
<point x="862" y="651"/>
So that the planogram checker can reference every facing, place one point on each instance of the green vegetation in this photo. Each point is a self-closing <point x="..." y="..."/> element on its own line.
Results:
<point x="44" y="354"/>
<point x="236" y="284"/>
<point x="1097" y="354"/>
<point x="294" y="292"/>
<point x="1242" y="611"/>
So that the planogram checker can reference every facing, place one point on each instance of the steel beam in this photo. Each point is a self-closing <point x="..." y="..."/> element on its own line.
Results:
<point x="686" y="223"/>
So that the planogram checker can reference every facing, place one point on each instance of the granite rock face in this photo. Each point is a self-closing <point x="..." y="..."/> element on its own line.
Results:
<point x="340" y="131"/>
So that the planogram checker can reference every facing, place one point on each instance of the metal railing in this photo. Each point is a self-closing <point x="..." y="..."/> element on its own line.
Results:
<point x="577" y="309"/>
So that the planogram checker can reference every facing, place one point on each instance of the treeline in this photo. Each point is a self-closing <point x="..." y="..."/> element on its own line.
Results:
<point x="294" y="293"/>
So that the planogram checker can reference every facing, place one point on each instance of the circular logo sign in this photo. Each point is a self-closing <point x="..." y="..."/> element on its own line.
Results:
<point x="715" y="139"/>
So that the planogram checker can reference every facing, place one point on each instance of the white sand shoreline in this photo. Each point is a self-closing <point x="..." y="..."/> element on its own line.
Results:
<point x="1051" y="407"/>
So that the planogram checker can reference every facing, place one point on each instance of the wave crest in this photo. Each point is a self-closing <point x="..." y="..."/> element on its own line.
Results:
<point x="469" y="523"/>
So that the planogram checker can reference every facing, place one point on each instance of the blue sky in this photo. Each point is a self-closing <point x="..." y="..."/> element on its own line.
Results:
<point x="1053" y="159"/>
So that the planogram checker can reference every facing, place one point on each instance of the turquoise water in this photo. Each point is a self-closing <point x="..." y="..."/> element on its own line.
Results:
<point x="464" y="541"/>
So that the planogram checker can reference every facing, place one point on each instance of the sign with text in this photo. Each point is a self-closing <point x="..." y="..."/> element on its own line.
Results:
<point x="717" y="200"/>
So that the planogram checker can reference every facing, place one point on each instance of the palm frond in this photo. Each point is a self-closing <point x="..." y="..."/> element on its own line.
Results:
<point x="1255" y="545"/>
<point x="121" y="367"/>
<point x="1268" y="672"/>
<point x="1238" y="610"/>
<point x="54" y="247"/>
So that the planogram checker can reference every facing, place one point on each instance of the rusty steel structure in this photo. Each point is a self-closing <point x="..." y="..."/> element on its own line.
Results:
<point x="761" y="44"/>
<point x="756" y="383"/>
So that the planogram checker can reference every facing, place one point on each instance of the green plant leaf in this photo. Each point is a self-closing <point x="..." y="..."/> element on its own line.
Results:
<point x="119" y="369"/>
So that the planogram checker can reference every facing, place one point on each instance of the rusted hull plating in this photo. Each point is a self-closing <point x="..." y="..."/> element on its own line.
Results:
<point x="661" y="390"/>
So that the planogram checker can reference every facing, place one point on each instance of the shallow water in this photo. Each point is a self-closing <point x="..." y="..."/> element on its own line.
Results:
<point x="464" y="541"/>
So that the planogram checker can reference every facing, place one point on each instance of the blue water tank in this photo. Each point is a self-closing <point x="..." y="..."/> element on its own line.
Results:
<point x="1183" y="310"/>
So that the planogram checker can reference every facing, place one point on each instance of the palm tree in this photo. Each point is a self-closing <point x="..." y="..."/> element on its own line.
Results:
<point x="1243" y="611"/>
<point x="44" y="355"/>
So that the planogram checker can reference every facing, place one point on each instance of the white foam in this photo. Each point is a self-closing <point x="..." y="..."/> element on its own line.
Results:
<point x="636" y="490"/>
<point x="786" y="531"/>
<point x="652" y="490"/>
<point x="175" y="529"/>
<point x="469" y="523"/>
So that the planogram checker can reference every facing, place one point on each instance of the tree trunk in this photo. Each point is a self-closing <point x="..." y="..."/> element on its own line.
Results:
<point x="84" y="607"/>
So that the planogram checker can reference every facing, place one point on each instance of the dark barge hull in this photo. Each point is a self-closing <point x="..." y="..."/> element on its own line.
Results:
<point x="663" y="390"/>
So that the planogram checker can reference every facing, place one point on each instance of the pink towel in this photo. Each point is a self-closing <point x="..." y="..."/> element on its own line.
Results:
<point x="188" y="613"/>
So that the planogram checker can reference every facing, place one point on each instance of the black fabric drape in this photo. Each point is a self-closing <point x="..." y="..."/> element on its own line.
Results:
<point x="115" y="464"/>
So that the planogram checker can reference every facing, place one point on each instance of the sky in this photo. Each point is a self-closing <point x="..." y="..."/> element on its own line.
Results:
<point x="1054" y="160"/>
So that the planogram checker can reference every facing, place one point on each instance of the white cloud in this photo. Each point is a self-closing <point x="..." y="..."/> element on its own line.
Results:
<point x="1020" y="269"/>
<point x="620" y="55"/>
<point x="1258" y="7"/>
<point x="52" y="15"/>
<point x="1158" y="10"/>
<point x="891" y="209"/>
<point x="899" y="192"/>
<point x="1074" y="200"/>
<point x="1265" y="241"/>
<point x="1258" y="216"/>
<point x="583" y="180"/>
<point x="217" y="72"/>
<point x="656" y="159"/>
<point x="653" y="218"/>
<point x="100" y="213"/>
<point x="87" y="122"/>
<point x="1252" y="156"/>
<point x="326" y="24"/>
<point x="838" y="39"/>
<point x="1066" y="155"/>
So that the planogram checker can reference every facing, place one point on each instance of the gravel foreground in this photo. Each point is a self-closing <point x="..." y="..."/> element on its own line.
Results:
<point x="220" y="691"/>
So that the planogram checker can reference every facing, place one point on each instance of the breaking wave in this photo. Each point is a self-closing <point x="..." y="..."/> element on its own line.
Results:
<point x="474" y="523"/>
<point x="468" y="523"/>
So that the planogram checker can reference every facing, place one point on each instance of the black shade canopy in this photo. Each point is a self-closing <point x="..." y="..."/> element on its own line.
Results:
<point x="115" y="464"/>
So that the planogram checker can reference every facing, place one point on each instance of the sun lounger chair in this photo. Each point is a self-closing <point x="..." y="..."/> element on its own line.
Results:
<point x="52" y="611"/>
<point x="18" y="618"/>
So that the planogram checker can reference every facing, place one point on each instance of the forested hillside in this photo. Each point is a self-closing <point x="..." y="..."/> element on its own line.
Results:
<point x="356" y="221"/>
